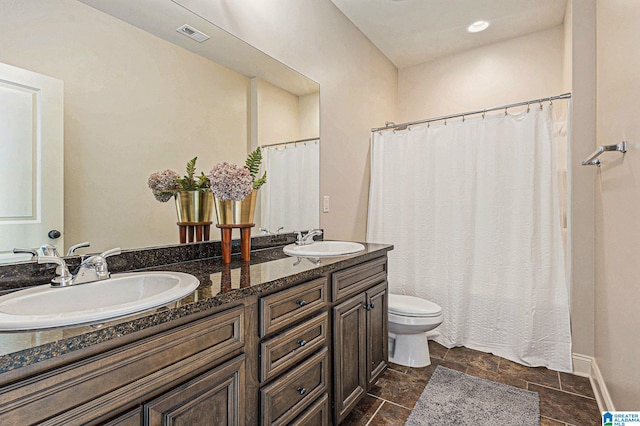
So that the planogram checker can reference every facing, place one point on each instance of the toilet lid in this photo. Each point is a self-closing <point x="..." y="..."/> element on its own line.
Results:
<point x="411" y="306"/>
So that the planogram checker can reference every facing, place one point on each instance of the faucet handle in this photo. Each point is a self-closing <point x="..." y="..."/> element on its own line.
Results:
<point x="112" y="252"/>
<point x="64" y="278"/>
<point x="72" y="249"/>
<point x="32" y="252"/>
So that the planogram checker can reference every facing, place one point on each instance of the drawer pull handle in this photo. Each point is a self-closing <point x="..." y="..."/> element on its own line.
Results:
<point x="301" y="390"/>
<point x="300" y="303"/>
<point x="302" y="342"/>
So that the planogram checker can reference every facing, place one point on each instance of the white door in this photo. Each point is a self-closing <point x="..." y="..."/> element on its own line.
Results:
<point x="31" y="161"/>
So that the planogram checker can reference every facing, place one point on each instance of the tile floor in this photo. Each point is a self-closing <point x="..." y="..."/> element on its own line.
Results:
<point x="565" y="399"/>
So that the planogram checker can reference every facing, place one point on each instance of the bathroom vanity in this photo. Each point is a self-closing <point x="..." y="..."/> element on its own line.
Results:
<point x="279" y="341"/>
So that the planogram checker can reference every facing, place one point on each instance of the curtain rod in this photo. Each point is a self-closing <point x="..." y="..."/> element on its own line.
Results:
<point x="290" y="142"/>
<point x="390" y="125"/>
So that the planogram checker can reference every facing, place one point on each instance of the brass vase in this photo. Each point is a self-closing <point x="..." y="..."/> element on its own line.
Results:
<point x="194" y="206"/>
<point x="232" y="212"/>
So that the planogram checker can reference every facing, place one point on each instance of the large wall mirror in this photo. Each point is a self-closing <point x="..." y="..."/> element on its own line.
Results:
<point x="142" y="97"/>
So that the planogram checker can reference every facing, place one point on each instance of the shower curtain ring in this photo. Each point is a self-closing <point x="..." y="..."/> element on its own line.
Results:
<point x="540" y="102"/>
<point x="483" y="113"/>
<point x="528" y="107"/>
<point x="463" y="118"/>
<point x="505" y="111"/>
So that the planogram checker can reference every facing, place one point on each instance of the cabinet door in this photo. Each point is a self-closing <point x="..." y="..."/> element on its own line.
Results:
<point x="216" y="397"/>
<point x="377" y="332"/>
<point x="349" y="354"/>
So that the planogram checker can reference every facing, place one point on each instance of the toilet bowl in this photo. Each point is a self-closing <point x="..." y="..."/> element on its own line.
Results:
<point x="410" y="318"/>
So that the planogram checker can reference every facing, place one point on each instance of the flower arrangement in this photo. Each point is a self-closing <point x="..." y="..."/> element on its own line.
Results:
<point x="167" y="184"/>
<point x="232" y="182"/>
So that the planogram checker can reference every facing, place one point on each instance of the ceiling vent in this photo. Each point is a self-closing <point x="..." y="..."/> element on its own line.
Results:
<point x="192" y="33"/>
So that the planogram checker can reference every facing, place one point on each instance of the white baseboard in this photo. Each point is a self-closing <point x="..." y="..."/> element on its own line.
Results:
<point x="587" y="366"/>
<point x="582" y="365"/>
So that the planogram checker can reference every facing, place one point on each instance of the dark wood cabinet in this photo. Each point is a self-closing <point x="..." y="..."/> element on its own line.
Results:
<point x="216" y="397"/>
<point x="349" y="354"/>
<point x="303" y="356"/>
<point x="294" y="364"/>
<point x="377" y="332"/>
<point x="360" y="332"/>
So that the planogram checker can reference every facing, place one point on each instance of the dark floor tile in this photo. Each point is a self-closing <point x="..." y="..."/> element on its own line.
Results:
<point x="402" y="389"/>
<point x="462" y="355"/>
<point x="497" y="376"/>
<point x="544" y="421"/>
<point x="363" y="412"/>
<point x="566" y="407"/>
<point x="576" y="384"/>
<point x="436" y="350"/>
<point x="538" y="375"/>
<point x="423" y="374"/>
<point x="390" y="415"/>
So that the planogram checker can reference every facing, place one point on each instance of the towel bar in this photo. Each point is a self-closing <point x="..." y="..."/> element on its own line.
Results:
<point x="593" y="158"/>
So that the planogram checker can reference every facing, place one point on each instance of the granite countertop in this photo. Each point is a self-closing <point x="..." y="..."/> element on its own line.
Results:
<point x="268" y="270"/>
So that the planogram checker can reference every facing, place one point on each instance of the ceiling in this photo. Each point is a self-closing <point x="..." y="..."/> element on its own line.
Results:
<point x="411" y="32"/>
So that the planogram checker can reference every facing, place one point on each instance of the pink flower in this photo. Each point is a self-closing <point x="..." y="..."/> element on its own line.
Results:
<point x="163" y="185"/>
<point x="230" y="181"/>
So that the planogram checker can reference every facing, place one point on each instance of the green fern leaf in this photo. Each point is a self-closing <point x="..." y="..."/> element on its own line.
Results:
<point x="253" y="162"/>
<point x="259" y="182"/>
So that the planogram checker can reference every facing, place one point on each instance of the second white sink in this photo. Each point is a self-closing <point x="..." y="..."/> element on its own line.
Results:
<point x="324" y="249"/>
<point x="122" y="294"/>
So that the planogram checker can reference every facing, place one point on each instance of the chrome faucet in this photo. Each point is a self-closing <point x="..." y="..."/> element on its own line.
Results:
<point x="93" y="268"/>
<point x="308" y="237"/>
<point x="267" y="232"/>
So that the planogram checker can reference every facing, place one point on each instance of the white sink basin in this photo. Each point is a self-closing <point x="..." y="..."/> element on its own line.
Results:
<point x="122" y="294"/>
<point x="324" y="249"/>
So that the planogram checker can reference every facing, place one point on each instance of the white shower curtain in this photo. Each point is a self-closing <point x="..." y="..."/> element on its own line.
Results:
<point x="473" y="210"/>
<point x="291" y="200"/>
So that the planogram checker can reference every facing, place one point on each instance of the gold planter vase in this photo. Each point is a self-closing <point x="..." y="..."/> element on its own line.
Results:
<point x="232" y="212"/>
<point x="194" y="206"/>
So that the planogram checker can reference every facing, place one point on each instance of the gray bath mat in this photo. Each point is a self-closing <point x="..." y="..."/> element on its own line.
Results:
<point x="454" y="398"/>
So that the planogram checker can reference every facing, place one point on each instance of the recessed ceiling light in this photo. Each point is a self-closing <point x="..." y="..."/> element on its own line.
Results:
<point x="478" y="26"/>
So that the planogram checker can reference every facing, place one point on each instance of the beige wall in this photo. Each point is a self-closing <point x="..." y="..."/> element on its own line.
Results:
<point x="515" y="70"/>
<point x="309" y="110"/>
<point x="581" y="206"/>
<point x="617" y="338"/>
<point x="131" y="108"/>
<point x="278" y="114"/>
<point x="358" y="91"/>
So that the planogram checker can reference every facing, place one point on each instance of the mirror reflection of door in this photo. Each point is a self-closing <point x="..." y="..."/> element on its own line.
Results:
<point x="31" y="161"/>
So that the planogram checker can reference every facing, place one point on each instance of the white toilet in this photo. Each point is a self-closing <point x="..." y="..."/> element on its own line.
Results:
<point x="409" y="320"/>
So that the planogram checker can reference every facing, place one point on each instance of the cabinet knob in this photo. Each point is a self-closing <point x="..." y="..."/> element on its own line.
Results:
<point x="300" y="303"/>
<point x="301" y="390"/>
<point x="372" y="305"/>
<point x="367" y="307"/>
<point x="302" y="342"/>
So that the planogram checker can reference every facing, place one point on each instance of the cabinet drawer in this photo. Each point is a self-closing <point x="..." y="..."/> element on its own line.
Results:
<point x="287" y="397"/>
<point x="99" y="386"/>
<point x="289" y="348"/>
<point x="282" y="309"/>
<point x="357" y="278"/>
<point x="316" y="415"/>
